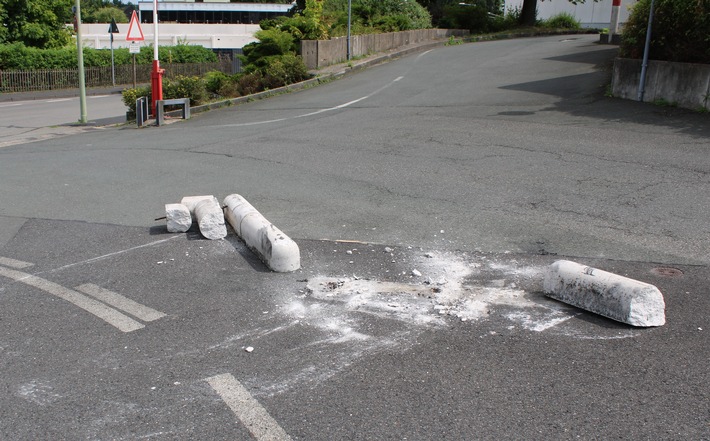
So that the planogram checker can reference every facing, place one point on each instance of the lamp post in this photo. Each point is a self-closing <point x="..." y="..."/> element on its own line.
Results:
<point x="349" y="49"/>
<point x="80" y="63"/>
<point x="646" y="49"/>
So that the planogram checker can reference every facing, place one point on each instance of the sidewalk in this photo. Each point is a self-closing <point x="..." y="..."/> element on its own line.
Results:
<point x="58" y="93"/>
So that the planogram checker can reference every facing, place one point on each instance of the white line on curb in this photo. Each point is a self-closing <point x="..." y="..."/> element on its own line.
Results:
<point x="109" y="315"/>
<point x="120" y="302"/>
<point x="249" y="411"/>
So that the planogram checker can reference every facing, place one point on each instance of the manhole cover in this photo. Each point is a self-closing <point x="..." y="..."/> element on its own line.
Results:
<point x="667" y="272"/>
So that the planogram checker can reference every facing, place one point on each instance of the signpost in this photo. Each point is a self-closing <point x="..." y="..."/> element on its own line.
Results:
<point x="113" y="29"/>
<point x="135" y="36"/>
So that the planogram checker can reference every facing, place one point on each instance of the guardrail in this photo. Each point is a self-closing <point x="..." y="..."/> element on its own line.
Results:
<point x="51" y="79"/>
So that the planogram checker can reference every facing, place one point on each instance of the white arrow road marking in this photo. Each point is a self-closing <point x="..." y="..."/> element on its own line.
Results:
<point x="123" y="303"/>
<point x="12" y="263"/>
<point x="109" y="315"/>
<point x="254" y="417"/>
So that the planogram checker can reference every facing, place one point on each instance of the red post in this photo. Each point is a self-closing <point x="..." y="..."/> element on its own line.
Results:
<point x="156" y="83"/>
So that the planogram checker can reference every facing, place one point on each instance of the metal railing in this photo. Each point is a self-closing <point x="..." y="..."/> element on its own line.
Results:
<point x="51" y="79"/>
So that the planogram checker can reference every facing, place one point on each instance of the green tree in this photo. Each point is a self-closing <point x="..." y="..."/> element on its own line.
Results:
<point x="35" y="23"/>
<point x="105" y="15"/>
<point x="681" y="31"/>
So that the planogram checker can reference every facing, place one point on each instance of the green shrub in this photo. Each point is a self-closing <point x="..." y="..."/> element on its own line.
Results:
<point x="563" y="20"/>
<point x="129" y="97"/>
<point x="681" y="31"/>
<point x="215" y="81"/>
<point x="249" y="84"/>
<point x="475" y="18"/>
<point x="185" y="87"/>
<point x="17" y="56"/>
<point x="281" y="70"/>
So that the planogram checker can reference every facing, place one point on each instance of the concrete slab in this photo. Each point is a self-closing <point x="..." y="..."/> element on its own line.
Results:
<point x="611" y="295"/>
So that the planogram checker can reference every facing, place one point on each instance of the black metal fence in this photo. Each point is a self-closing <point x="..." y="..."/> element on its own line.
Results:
<point x="50" y="79"/>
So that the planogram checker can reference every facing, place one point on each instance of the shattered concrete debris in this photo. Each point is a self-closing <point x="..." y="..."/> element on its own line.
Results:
<point x="178" y="218"/>
<point x="210" y="218"/>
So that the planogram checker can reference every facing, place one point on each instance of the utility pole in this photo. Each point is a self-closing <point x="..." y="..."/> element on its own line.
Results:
<point x="646" y="49"/>
<point x="349" y="44"/>
<point x="80" y="62"/>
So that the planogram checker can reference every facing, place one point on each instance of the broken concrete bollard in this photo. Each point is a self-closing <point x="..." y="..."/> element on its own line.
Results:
<point x="178" y="218"/>
<point x="613" y="296"/>
<point x="273" y="247"/>
<point x="210" y="218"/>
<point x="191" y="202"/>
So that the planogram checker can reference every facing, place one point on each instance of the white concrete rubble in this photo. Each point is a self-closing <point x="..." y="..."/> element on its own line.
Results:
<point x="273" y="247"/>
<point x="210" y="218"/>
<point x="178" y="218"/>
<point x="611" y="295"/>
<point x="191" y="202"/>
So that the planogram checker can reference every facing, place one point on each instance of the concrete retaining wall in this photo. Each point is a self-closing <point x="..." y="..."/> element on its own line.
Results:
<point x="321" y="53"/>
<point x="684" y="84"/>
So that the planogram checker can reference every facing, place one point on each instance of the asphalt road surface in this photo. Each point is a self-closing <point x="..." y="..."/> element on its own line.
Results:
<point x="427" y="196"/>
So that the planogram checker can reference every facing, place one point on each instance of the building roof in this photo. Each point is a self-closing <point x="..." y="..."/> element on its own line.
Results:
<point x="215" y="6"/>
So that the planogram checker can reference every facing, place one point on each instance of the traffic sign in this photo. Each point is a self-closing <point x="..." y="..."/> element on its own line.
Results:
<point x="135" y="33"/>
<point x="113" y="27"/>
<point x="134" y="48"/>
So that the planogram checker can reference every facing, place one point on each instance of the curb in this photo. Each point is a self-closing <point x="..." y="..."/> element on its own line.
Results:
<point x="607" y="294"/>
<point x="273" y="247"/>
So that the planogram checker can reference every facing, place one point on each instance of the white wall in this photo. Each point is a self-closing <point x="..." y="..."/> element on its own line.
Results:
<point x="213" y="36"/>
<point x="592" y="14"/>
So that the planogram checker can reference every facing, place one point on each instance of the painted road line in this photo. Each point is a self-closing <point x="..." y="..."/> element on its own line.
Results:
<point x="60" y="100"/>
<point x="109" y="315"/>
<point x="106" y="256"/>
<point x="254" y="417"/>
<point x="12" y="263"/>
<point x="10" y="105"/>
<point x="120" y="302"/>
<point x="92" y="97"/>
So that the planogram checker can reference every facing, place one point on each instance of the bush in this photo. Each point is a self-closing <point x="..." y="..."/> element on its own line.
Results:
<point x="281" y="70"/>
<point x="129" y="97"/>
<point x="681" y="31"/>
<point x="17" y="56"/>
<point x="185" y="87"/>
<point x="563" y="20"/>
<point x="249" y="84"/>
<point x="472" y="17"/>
<point x="215" y="81"/>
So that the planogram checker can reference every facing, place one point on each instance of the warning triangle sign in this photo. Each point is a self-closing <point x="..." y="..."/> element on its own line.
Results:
<point x="135" y="33"/>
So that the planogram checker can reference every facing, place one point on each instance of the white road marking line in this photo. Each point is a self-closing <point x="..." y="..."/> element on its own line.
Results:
<point x="97" y="96"/>
<point x="110" y="315"/>
<point x="106" y="256"/>
<point x="338" y="107"/>
<point x="256" y="419"/>
<point x="12" y="263"/>
<point x="120" y="302"/>
<point x="10" y="105"/>
<point x="60" y="100"/>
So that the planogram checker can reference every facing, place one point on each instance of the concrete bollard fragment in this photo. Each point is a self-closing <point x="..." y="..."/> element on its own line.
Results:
<point x="191" y="202"/>
<point x="273" y="247"/>
<point x="178" y="218"/>
<point x="611" y="295"/>
<point x="210" y="218"/>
